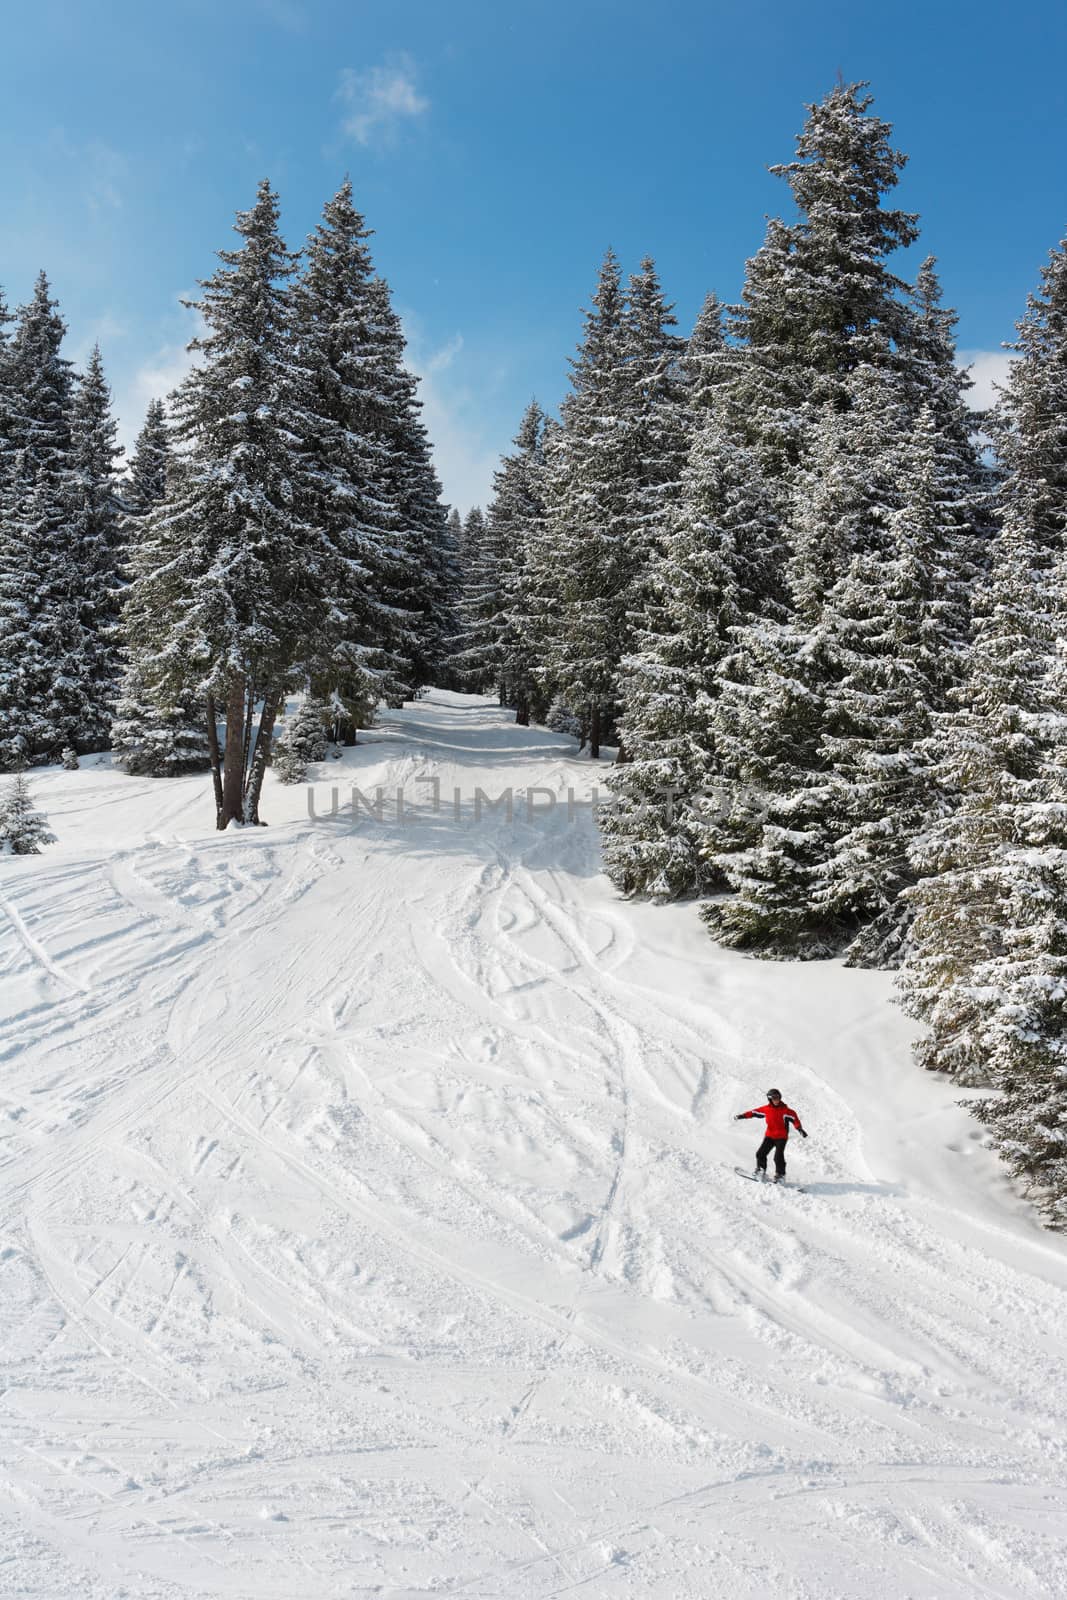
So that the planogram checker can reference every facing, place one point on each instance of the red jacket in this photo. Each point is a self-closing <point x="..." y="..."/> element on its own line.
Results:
<point x="777" y="1119"/>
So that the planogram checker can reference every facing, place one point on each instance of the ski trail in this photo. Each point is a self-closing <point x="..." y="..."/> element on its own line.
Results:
<point x="37" y="951"/>
<point x="369" y="1226"/>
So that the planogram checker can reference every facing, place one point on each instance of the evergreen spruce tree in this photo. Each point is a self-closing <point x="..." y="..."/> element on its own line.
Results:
<point x="40" y="633"/>
<point x="517" y="515"/>
<point x="355" y="394"/>
<point x="303" y="740"/>
<point x="478" y="660"/>
<point x="713" y="575"/>
<point x="1025" y="1032"/>
<point x="7" y="407"/>
<point x="846" y="388"/>
<point x="819" y="298"/>
<point x="150" y="464"/>
<point x="238" y="592"/>
<point x="95" y="529"/>
<point x="41" y="382"/>
<point x="934" y="384"/>
<point x="23" y="829"/>
<point x="745" y="707"/>
<point x="423" y="604"/>
<point x="987" y="958"/>
<point x="708" y="358"/>
<point x="583" y="558"/>
<point x="611" y="473"/>
<point x="455" y="534"/>
<point x="160" y="727"/>
<point x="993" y="756"/>
<point x="891" y="643"/>
<point x="43" y="691"/>
<point x="791" y="684"/>
<point x="659" y="423"/>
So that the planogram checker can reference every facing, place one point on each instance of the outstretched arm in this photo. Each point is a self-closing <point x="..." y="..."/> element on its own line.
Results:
<point x="743" y="1115"/>
<point x="792" y="1117"/>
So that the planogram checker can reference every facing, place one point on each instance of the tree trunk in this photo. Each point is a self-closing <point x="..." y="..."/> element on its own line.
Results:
<point x="216" y="758"/>
<point x="623" y="755"/>
<point x="522" y="712"/>
<point x="233" y="767"/>
<point x="594" y="734"/>
<point x="261" y="754"/>
<point x="250" y="710"/>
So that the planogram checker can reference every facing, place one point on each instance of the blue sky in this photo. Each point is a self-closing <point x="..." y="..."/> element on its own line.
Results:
<point x="497" y="148"/>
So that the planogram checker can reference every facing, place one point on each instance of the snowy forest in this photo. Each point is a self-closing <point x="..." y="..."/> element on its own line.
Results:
<point x="809" y="602"/>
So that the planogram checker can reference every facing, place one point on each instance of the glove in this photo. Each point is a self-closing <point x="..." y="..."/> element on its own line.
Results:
<point x="802" y="1134"/>
<point x="740" y="1117"/>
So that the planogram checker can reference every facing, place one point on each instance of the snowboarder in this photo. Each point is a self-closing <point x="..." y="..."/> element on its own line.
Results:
<point x="777" y="1116"/>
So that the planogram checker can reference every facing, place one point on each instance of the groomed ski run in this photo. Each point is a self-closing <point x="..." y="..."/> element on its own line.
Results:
<point x="368" y="1224"/>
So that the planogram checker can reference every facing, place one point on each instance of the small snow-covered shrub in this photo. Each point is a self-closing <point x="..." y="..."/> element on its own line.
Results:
<point x="561" y="719"/>
<point x="70" y="760"/>
<point x="303" y="740"/>
<point x="22" y="829"/>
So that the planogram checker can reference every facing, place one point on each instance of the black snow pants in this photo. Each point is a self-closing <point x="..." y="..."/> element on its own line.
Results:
<point x="778" y="1146"/>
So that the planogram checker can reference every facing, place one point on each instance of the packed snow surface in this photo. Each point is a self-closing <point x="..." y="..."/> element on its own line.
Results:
<point x="368" y="1223"/>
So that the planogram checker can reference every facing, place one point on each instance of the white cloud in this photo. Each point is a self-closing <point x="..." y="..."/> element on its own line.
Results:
<point x="105" y="330"/>
<point x="154" y="378"/>
<point x="988" y="368"/>
<point x="463" y="453"/>
<point x="380" y="99"/>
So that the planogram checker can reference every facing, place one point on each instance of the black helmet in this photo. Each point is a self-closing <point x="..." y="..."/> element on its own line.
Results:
<point x="774" y="1094"/>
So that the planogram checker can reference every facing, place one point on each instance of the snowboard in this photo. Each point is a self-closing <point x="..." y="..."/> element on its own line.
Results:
<point x="768" y="1182"/>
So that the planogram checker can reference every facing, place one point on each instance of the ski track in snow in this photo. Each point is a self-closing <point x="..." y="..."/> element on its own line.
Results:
<point x="368" y="1225"/>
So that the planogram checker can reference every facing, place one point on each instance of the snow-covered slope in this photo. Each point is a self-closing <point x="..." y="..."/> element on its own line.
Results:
<point x="368" y="1225"/>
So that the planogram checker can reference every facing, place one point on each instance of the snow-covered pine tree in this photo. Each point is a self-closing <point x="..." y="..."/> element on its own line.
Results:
<point x="610" y="473"/>
<point x="991" y="757"/>
<point x="96" y="524"/>
<point x="819" y="299"/>
<point x="355" y="394"/>
<point x="41" y="638"/>
<point x="7" y="447"/>
<point x="660" y="423"/>
<point x="150" y="464"/>
<point x="478" y="658"/>
<point x="43" y="692"/>
<point x="40" y="381"/>
<point x="517" y="514"/>
<point x="239" y="591"/>
<point x="455" y="533"/>
<point x="302" y="741"/>
<point x="891" y="643"/>
<point x="987" y="958"/>
<point x="1025" y="1033"/>
<point x="823" y="320"/>
<point x="159" y="730"/>
<point x="423" y="606"/>
<point x="714" y="573"/>
<point x="583" y="555"/>
<point x="535" y="612"/>
<point x="709" y="361"/>
<point x="933" y="383"/>
<point x="23" y="829"/>
<point x="769" y="718"/>
<point x="902" y="622"/>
